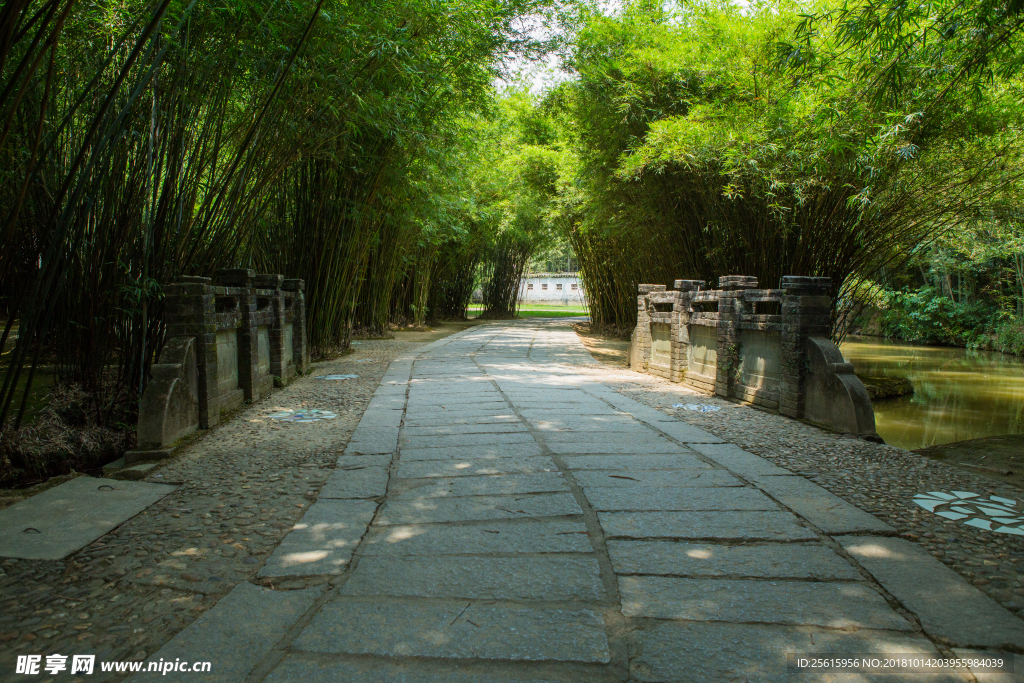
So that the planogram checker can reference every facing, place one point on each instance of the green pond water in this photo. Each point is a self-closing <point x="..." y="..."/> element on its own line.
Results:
<point x="958" y="394"/>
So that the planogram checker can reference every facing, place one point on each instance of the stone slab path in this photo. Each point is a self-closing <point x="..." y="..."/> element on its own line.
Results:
<point x="64" y="519"/>
<point x="499" y="516"/>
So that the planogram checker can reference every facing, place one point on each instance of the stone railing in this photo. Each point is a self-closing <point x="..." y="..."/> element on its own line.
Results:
<point x="229" y="340"/>
<point x="769" y="347"/>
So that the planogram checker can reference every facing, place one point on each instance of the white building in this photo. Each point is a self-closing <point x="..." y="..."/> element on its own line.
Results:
<point x="563" y="289"/>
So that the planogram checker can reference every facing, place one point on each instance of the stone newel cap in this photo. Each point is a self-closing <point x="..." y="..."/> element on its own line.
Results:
<point x="234" y="277"/>
<point x="731" y="282"/>
<point x="794" y="284"/>
<point x="688" y="285"/>
<point x="647" y="289"/>
<point x="267" y="281"/>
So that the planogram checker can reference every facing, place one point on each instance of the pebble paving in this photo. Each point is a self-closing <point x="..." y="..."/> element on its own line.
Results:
<point x="507" y="510"/>
<point x="241" y="490"/>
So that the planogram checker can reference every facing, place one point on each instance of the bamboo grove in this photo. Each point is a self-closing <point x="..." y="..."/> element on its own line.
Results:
<point x="142" y="142"/>
<point x="832" y="139"/>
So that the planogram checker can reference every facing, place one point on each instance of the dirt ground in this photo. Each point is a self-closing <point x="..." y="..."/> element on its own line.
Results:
<point x="434" y="332"/>
<point x="611" y="350"/>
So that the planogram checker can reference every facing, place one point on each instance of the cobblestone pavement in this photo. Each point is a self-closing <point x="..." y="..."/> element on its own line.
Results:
<point x="503" y="514"/>
<point x="242" y="489"/>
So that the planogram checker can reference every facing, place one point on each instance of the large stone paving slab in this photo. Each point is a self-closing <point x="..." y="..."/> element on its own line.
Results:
<point x="948" y="607"/>
<point x="828" y="512"/>
<point x="672" y="498"/>
<point x="477" y="386"/>
<point x="599" y="423"/>
<point x="535" y="414"/>
<point x="488" y="485"/>
<point x="554" y="394"/>
<point x="61" y="520"/>
<point x="555" y="536"/>
<point x="645" y="438"/>
<point x="456" y="379"/>
<point x="353" y="461"/>
<point x="685" y="433"/>
<point x="649" y="479"/>
<point x="452" y="629"/>
<point x="494" y="417"/>
<point x="450" y="398"/>
<point x="450" y="429"/>
<point x="241" y="629"/>
<point x="485" y="578"/>
<point x="322" y="542"/>
<point x="356" y="482"/>
<point x="449" y="440"/>
<point x="755" y="653"/>
<point x="544" y="403"/>
<point x="470" y="468"/>
<point x="439" y="510"/>
<point x="314" y="668"/>
<point x="455" y="413"/>
<point x="476" y="408"/>
<point x="741" y="462"/>
<point x="472" y="452"/>
<point x="551" y="394"/>
<point x="373" y="440"/>
<point x="720" y="526"/>
<point x="774" y="560"/>
<point x="798" y="603"/>
<point x="595" y="446"/>
<point x="381" y="418"/>
<point x="456" y="407"/>
<point x="662" y="461"/>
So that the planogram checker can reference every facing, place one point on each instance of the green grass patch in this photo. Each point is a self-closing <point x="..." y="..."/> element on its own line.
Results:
<point x="552" y="313"/>
<point x="534" y="308"/>
<point x="560" y="312"/>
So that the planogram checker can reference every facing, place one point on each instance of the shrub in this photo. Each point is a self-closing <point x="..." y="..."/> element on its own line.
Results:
<point x="925" y="316"/>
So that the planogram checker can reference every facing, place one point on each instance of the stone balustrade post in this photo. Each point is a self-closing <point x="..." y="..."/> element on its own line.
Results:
<point x="248" y="337"/>
<point x="730" y="307"/>
<point x="806" y="310"/>
<point x="680" y="326"/>
<point x="300" y="345"/>
<point x="266" y="287"/>
<point x="190" y="310"/>
<point x="279" y="366"/>
<point x="642" y="334"/>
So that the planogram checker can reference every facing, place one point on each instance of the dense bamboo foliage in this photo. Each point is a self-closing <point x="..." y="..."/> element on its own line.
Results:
<point x="141" y="142"/>
<point x="503" y="270"/>
<point x="138" y="143"/>
<point x="781" y="139"/>
<point x="454" y="277"/>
